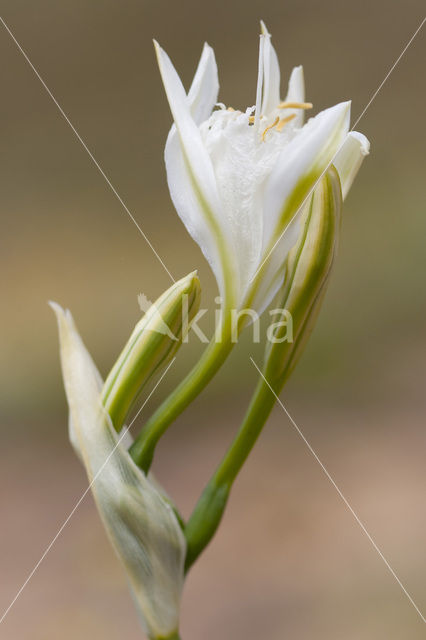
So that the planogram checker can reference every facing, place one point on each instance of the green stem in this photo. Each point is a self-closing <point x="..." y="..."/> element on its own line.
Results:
<point x="209" y="510"/>
<point x="142" y="450"/>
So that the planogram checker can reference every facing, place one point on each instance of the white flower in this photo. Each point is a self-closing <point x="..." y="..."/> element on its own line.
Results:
<point x="238" y="178"/>
<point x="139" y="520"/>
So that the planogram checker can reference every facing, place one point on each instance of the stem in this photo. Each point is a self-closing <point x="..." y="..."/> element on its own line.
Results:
<point x="142" y="450"/>
<point x="258" y="412"/>
<point x="209" y="509"/>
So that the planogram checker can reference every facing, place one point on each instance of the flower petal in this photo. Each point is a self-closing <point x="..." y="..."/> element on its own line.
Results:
<point x="349" y="159"/>
<point x="271" y="74"/>
<point x="140" y="523"/>
<point x="204" y="89"/>
<point x="259" y="86"/>
<point x="299" y="167"/>
<point x="272" y="272"/>
<point x="192" y="181"/>
<point x="296" y="93"/>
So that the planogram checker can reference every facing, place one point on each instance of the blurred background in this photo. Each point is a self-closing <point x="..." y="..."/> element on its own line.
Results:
<point x="289" y="560"/>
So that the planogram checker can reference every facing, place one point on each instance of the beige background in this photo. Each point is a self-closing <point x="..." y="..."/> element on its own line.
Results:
<point x="289" y="560"/>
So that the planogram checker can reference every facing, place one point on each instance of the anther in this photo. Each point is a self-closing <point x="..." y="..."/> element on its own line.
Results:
<point x="284" y="121"/>
<point x="295" y="105"/>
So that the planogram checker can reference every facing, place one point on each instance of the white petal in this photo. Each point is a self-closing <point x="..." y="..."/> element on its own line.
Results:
<point x="349" y="159"/>
<point x="204" y="89"/>
<point x="300" y="165"/>
<point x="191" y="210"/>
<point x="140" y="523"/>
<point x="296" y="93"/>
<point x="259" y="86"/>
<point x="296" y="86"/>
<point x="191" y="178"/>
<point x="272" y="271"/>
<point x="195" y="154"/>
<point x="271" y="75"/>
<point x="240" y="165"/>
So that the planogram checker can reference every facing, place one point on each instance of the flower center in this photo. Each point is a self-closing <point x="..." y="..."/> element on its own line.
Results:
<point x="220" y="119"/>
<point x="279" y="123"/>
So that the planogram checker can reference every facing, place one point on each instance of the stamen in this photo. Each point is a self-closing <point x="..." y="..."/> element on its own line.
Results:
<point x="284" y="121"/>
<point x="295" y="105"/>
<point x="230" y="109"/>
<point x="274" y="124"/>
<point x="251" y="119"/>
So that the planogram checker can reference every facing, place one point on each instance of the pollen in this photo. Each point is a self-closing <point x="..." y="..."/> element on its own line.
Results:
<point x="271" y="126"/>
<point x="281" y="124"/>
<point x="295" y="105"/>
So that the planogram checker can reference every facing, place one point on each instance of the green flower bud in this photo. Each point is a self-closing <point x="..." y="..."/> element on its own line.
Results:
<point x="308" y="268"/>
<point x="153" y="343"/>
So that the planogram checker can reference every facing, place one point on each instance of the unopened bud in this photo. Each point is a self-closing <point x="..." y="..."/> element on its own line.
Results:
<point x="308" y="269"/>
<point x="140" y="522"/>
<point x="152" y="345"/>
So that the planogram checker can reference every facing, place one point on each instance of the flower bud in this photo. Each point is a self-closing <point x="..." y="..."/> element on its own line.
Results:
<point x="153" y="343"/>
<point x="140" y="521"/>
<point x="308" y="269"/>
